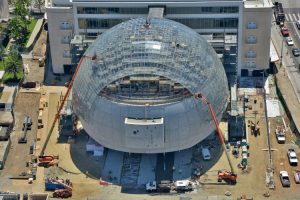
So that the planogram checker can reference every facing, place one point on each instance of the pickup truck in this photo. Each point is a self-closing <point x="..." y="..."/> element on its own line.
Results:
<point x="280" y="134"/>
<point x="284" y="178"/>
<point x="162" y="187"/>
<point x="151" y="186"/>
<point x="292" y="157"/>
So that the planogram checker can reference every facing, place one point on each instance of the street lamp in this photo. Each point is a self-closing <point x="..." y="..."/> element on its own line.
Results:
<point x="281" y="53"/>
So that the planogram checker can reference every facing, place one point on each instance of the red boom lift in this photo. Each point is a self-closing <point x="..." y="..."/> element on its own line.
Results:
<point x="228" y="176"/>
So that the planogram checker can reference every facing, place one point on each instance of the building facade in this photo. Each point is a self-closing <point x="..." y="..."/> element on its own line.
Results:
<point x="238" y="30"/>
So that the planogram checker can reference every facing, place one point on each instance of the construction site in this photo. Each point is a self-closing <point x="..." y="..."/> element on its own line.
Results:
<point x="111" y="133"/>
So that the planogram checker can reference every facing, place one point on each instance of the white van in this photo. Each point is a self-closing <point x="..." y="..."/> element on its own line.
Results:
<point x="205" y="153"/>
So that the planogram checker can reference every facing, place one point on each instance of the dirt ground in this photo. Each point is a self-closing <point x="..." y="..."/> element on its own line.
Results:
<point x="74" y="162"/>
<point x="26" y="105"/>
<point x="34" y="72"/>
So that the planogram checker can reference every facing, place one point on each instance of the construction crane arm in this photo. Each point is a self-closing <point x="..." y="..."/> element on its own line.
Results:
<point x="94" y="57"/>
<point x="206" y="101"/>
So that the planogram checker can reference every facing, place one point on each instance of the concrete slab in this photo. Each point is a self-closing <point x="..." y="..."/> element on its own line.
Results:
<point x="182" y="163"/>
<point x="113" y="166"/>
<point x="147" y="166"/>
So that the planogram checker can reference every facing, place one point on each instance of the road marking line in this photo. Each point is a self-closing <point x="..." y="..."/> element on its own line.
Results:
<point x="287" y="17"/>
<point x="290" y="17"/>
<point x="294" y="16"/>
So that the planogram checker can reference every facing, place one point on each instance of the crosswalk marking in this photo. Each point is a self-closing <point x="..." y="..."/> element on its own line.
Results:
<point x="287" y="18"/>
<point x="292" y="17"/>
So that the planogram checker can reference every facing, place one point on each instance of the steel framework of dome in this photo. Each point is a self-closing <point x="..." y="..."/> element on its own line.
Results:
<point x="137" y="96"/>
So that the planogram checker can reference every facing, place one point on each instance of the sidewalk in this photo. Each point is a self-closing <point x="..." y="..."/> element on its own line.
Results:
<point x="290" y="99"/>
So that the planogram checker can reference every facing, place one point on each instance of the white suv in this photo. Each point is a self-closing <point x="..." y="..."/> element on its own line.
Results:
<point x="289" y="41"/>
<point x="298" y="24"/>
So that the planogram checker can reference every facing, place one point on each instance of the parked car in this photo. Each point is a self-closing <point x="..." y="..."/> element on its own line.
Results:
<point x="292" y="157"/>
<point x="297" y="176"/>
<point x="296" y="52"/>
<point x="289" y="41"/>
<point x="284" y="178"/>
<point x="285" y="32"/>
<point x="205" y="153"/>
<point x="298" y="24"/>
<point x="280" y="134"/>
<point x="163" y="187"/>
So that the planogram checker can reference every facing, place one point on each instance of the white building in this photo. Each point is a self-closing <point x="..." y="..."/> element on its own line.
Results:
<point x="239" y="30"/>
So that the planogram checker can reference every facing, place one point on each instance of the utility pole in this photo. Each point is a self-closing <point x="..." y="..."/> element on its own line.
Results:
<point x="267" y="122"/>
<point x="280" y="56"/>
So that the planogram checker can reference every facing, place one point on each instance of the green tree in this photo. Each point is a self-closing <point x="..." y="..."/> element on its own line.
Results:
<point x="2" y="53"/>
<point x="13" y="64"/>
<point x="21" y="10"/>
<point x="18" y="29"/>
<point x="18" y="25"/>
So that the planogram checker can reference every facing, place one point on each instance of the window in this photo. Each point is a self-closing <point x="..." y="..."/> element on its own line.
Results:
<point x="98" y="23"/>
<point x="91" y="10"/>
<point x="67" y="54"/>
<point x="252" y="25"/>
<point x="209" y="23"/>
<point x="251" y="54"/>
<point x="65" y="25"/>
<point x="251" y="39"/>
<point x="201" y="10"/>
<point x="250" y="64"/>
<point x="66" y="40"/>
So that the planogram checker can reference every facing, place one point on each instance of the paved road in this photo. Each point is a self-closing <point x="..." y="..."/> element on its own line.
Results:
<point x="290" y="62"/>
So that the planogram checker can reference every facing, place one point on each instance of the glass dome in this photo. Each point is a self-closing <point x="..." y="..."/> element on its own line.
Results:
<point x="147" y="55"/>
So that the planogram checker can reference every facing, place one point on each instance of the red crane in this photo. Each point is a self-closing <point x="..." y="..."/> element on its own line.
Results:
<point x="226" y="175"/>
<point x="94" y="57"/>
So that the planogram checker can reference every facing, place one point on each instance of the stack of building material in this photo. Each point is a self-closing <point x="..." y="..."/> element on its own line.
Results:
<point x="99" y="149"/>
<point x="38" y="196"/>
<point x="244" y="146"/>
<point x="90" y="145"/>
<point x="94" y="147"/>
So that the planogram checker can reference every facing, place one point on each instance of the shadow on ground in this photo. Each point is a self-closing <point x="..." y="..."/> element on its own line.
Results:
<point x="87" y="163"/>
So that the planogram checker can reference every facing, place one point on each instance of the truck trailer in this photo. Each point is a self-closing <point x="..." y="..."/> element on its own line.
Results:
<point x="279" y="13"/>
